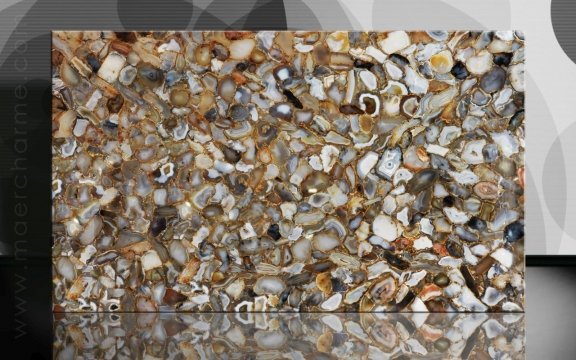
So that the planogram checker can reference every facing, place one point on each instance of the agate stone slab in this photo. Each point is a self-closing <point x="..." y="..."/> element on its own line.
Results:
<point x="288" y="171"/>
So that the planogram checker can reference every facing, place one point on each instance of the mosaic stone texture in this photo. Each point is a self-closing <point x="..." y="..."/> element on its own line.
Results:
<point x="289" y="336"/>
<point x="288" y="171"/>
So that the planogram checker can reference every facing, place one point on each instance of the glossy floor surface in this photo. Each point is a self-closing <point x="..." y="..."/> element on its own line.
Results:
<point x="550" y="313"/>
<point x="549" y="321"/>
<point x="543" y="332"/>
<point x="289" y="336"/>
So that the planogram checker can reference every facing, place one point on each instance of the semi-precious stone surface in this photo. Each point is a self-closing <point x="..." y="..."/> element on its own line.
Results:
<point x="288" y="171"/>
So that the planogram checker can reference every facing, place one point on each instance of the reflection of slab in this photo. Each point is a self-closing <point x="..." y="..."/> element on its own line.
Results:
<point x="290" y="336"/>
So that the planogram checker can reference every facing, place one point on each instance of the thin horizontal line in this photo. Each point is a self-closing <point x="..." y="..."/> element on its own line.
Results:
<point x="531" y="260"/>
<point x="276" y="313"/>
<point x="550" y="260"/>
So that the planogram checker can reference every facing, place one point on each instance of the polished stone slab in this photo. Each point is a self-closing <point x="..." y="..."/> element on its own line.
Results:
<point x="288" y="171"/>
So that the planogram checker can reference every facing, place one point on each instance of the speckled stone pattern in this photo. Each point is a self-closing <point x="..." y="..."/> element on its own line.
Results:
<point x="288" y="171"/>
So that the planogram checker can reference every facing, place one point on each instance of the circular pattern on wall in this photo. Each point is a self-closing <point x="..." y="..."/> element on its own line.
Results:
<point x="563" y="15"/>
